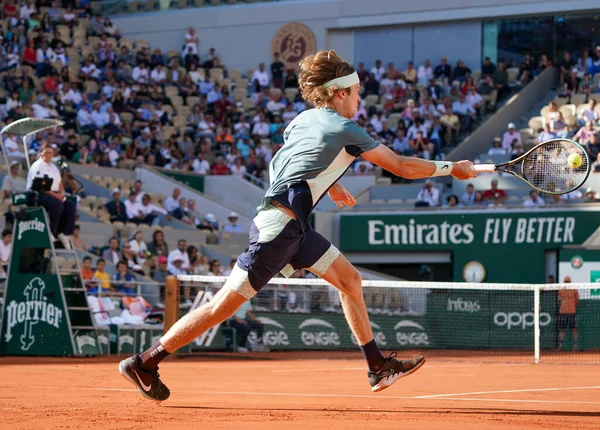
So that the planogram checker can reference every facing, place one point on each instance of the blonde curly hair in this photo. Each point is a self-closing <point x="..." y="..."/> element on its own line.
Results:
<point x="317" y="69"/>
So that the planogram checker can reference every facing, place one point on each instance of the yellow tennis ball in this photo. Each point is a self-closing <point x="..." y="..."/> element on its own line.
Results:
<point x="574" y="160"/>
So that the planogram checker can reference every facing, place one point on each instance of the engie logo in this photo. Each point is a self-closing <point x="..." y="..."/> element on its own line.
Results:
<point x="520" y="320"/>
<point x="410" y="333"/>
<point x="311" y="335"/>
<point x="34" y="309"/>
<point x="378" y="335"/>
<point x="274" y="334"/>
<point x="461" y="305"/>
<point x="30" y="225"/>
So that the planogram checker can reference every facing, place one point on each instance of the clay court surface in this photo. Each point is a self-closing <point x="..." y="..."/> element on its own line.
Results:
<point x="298" y="391"/>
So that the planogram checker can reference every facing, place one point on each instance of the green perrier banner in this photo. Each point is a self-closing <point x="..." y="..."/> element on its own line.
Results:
<point x="34" y="319"/>
<point x="511" y="245"/>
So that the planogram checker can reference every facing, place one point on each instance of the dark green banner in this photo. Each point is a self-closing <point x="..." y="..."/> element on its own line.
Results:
<point x="192" y="180"/>
<point x="488" y="246"/>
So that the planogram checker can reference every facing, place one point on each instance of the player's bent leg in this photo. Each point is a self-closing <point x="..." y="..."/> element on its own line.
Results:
<point x="142" y="370"/>
<point x="383" y="372"/>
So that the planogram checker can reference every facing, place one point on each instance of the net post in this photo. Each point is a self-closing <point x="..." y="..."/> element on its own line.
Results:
<point x="536" y="324"/>
<point x="171" y="302"/>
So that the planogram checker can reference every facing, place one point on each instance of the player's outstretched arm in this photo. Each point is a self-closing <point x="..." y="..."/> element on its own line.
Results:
<point x="417" y="168"/>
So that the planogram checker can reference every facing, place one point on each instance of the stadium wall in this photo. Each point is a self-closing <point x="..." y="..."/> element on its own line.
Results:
<point x="397" y="31"/>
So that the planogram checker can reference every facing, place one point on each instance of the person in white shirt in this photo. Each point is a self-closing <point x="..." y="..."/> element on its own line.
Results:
<point x="475" y="100"/>
<point x="72" y="95"/>
<point x="497" y="148"/>
<point x="261" y="128"/>
<point x="40" y="109"/>
<point x="363" y="167"/>
<point x="233" y="226"/>
<point x="589" y="114"/>
<point x="150" y="210"/>
<point x="425" y="73"/>
<point x="5" y="251"/>
<point x="378" y="71"/>
<point x="133" y="209"/>
<point x="377" y="121"/>
<point x="172" y="202"/>
<point x="429" y="194"/>
<point x="140" y="73"/>
<point x="238" y="169"/>
<point x="200" y="165"/>
<point x="427" y="109"/>
<point x="288" y="114"/>
<point x="138" y="247"/>
<point x="13" y="149"/>
<point x="27" y="10"/>
<point x="158" y="75"/>
<point x="462" y="108"/>
<point x="191" y="42"/>
<point x="509" y="136"/>
<point x="12" y="183"/>
<point x="99" y="118"/>
<point x="275" y="105"/>
<point x="261" y="76"/>
<point x="84" y="118"/>
<point x="61" y="212"/>
<point x="573" y="195"/>
<point x="468" y="197"/>
<point x="534" y="199"/>
<point x="181" y="254"/>
<point x="547" y="134"/>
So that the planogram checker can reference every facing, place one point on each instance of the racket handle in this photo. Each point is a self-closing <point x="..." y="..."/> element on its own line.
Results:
<point x="485" y="168"/>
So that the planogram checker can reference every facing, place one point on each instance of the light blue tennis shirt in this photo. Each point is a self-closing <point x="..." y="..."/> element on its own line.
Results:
<point x="319" y="146"/>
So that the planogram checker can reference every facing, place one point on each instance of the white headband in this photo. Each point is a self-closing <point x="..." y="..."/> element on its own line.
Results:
<point x="343" y="82"/>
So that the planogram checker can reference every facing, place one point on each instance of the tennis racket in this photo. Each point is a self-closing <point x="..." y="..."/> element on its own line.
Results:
<point x="556" y="166"/>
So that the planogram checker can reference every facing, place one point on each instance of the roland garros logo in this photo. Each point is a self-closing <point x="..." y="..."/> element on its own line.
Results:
<point x="293" y="41"/>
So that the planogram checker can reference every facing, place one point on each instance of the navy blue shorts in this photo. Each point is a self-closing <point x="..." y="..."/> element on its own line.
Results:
<point x="278" y="244"/>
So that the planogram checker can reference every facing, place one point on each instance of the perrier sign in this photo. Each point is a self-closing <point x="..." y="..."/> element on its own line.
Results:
<point x="510" y="244"/>
<point x="34" y="318"/>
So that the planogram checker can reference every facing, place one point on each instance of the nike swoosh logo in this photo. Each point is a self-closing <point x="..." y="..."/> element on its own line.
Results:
<point x="445" y="166"/>
<point x="386" y="374"/>
<point x="145" y="387"/>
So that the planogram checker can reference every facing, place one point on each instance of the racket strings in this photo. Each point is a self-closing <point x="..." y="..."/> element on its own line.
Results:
<point x="547" y="168"/>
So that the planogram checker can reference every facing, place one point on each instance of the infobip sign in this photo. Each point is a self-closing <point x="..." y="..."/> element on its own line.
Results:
<point x="520" y="320"/>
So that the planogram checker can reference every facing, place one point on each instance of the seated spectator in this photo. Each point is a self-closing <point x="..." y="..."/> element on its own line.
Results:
<point x="150" y="211"/>
<point x="487" y="68"/>
<point x="179" y="254"/>
<point x="434" y="90"/>
<point x="233" y="226"/>
<point x="488" y="194"/>
<point x="180" y="212"/>
<point x="112" y="254"/>
<point x="87" y="274"/>
<point x="589" y="114"/>
<point x="131" y="258"/>
<point x="139" y="248"/>
<point x="97" y="26"/>
<point x="410" y="74"/>
<point x="509" y="136"/>
<point x="497" y="148"/>
<point x="546" y="134"/>
<point x="586" y="134"/>
<point x="425" y="73"/>
<point x="443" y="70"/>
<point x="116" y="208"/>
<point x="517" y="151"/>
<point x="488" y="92"/>
<point x="500" y="79"/>
<point x="363" y="167"/>
<point x="135" y="212"/>
<point x="534" y="199"/>
<point x="573" y="195"/>
<point x="525" y="71"/>
<point x="161" y="272"/>
<point x="209" y="223"/>
<point x="172" y="202"/>
<point x="451" y="123"/>
<point x="5" y="251"/>
<point x="13" y="183"/>
<point x="244" y="321"/>
<point x="261" y="75"/>
<point x="452" y="202"/>
<point x="429" y="195"/>
<point x="559" y="126"/>
<point x="590" y="196"/>
<point x="468" y="197"/>
<point x="496" y="202"/>
<point x="103" y="279"/>
<point x="158" y="247"/>
<point x="460" y="72"/>
<point x="475" y="100"/>
<point x="400" y="145"/>
<point x="421" y="146"/>
<point x="122" y="280"/>
<point x="219" y="168"/>
<point x="77" y="241"/>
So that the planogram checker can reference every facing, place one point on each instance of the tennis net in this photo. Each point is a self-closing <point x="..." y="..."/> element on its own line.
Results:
<point x="549" y="323"/>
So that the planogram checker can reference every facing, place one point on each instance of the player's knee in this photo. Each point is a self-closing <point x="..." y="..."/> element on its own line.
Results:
<point x="351" y="284"/>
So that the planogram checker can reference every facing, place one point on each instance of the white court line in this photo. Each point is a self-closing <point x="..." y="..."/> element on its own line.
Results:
<point x="355" y="396"/>
<point x="527" y="390"/>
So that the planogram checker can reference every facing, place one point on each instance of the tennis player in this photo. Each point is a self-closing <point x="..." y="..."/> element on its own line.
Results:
<point x="320" y="144"/>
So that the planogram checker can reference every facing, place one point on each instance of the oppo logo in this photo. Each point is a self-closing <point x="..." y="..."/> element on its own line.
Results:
<point x="520" y="320"/>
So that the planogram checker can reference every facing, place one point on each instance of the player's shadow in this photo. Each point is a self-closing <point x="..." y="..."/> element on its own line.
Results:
<point x="404" y="411"/>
